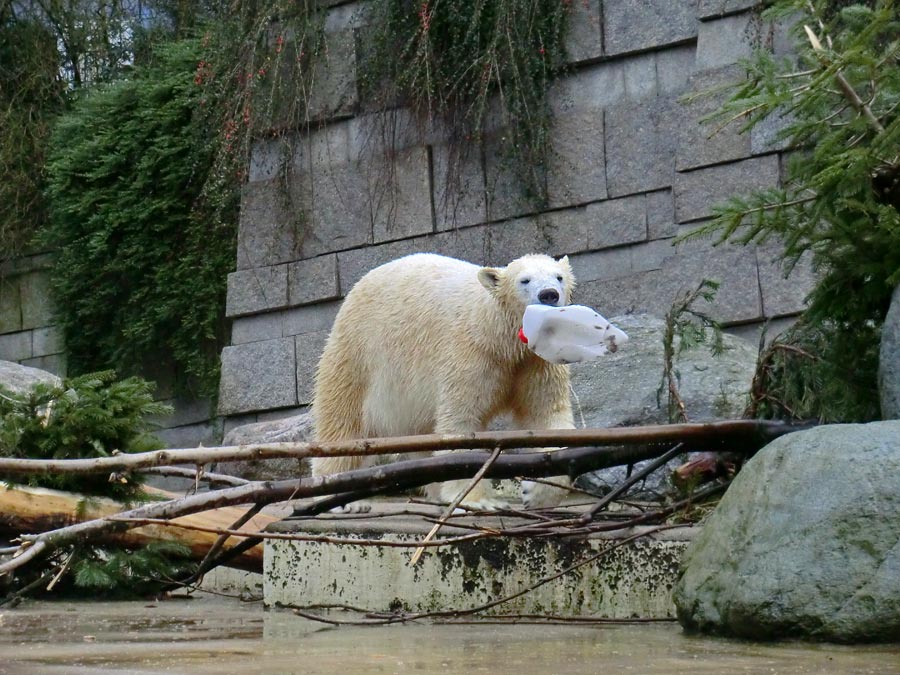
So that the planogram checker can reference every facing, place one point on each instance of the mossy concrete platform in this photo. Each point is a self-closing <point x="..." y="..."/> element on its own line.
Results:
<point x="633" y="580"/>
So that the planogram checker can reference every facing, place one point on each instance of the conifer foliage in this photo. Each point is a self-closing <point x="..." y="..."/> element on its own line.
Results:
<point x="838" y="103"/>
<point x="140" y="274"/>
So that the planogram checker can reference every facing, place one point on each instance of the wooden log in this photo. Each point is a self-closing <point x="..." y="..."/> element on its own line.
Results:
<point x="34" y="510"/>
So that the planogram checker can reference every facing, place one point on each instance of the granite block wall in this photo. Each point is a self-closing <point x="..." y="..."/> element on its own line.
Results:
<point x="632" y="169"/>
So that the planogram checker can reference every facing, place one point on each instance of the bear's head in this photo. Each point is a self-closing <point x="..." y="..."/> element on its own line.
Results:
<point x="530" y="280"/>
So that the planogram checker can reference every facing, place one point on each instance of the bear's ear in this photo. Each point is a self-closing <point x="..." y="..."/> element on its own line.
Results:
<point x="564" y="261"/>
<point x="489" y="277"/>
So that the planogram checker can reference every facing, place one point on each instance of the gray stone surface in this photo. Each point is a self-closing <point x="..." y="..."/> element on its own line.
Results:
<point x="10" y="305"/>
<point x="257" y="328"/>
<point x="577" y="169"/>
<point x="661" y="214"/>
<point x="188" y="436"/>
<point x="312" y="280"/>
<point x="402" y="190"/>
<point x="258" y="376"/>
<point x="584" y="37"/>
<point x="889" y="361"/>
<point x="309" y="349"/>
<point x="333" y="80"/>
<point x="783" y="289"/>
<point x="507" y="195"/>
<point x="636" y="25"/>
<point x="47" y="341"/>
<point x="674" y="68"/>
<point x="16" y="346"/>
<point x="696" y="192"/>
<point x="765" y="136"/>
<point x="20" y="379"/>
<point x="705" y="143"/>
<point x="713" y="387"/>
<point x="257" y="290"/>
<point x="709" y="9"/>
<point x="267" y="235"/>
<point x="294" y="429"/>
<point x="727" y="40"/>
<point x="37" y="307"/>
<point x="52" y="363"/>
<point x="459" y="192"/>
<point x="804" y="543"/>
<point x="336" y="203"/>
<point x="640" y="146"/>
<point x="310" y="319"/>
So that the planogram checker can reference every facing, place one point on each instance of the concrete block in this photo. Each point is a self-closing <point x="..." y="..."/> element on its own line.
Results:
<point x="188" y="436"/>
<point x="674" y="68"/>
<point x="336" y="208"/>
<point x="640" y="146"/>
<point x="577" y="168"/>
<point x="507" y="192"/>
<point x="257" y="290"/>
<point x="504" y="242"/>
<point x="640" y="76"/>
<point x="267" y="234"/>
<point x="588" y="88"/>
<point x="186" y="411"/>
<point x="784" y="290"/>
<point x="333" y="82"/>
<point x="459" y="192"/>
<point x="52" y="363"/>
<point x="584" y="37"/>
<point x="765" y="136"/>
<point x="617" y="221"/>
<point x="309" y="319"/>
<point x="470" y="243"/>
<point x="566" y="231"/>
<point x="401" y="186"/>
<point x="632" y="580"/>
<point x="595" y="265"/>
<point x="704" y="143"/>
<point x="269" y="155"/>
<point x="312" y="280"/>
<point x="727" y="40"/>
<point x="47" y="341"/>
<point x="660" y="214"/>
<point x="258" y="376"/>
<point x="655" y="291"/>
<point x="257" y="328"/>
<point x="696" y="192"/>
<point x="324" y="145"/>
<point x="710" y="9"/>
<point x="10" y="305"/>
<point x="37" y="303"/>
<point x="309" y="350"/>
<point x="16" y="346"/>
<point x="639" y="25"/>
<point x="652" y="255"/>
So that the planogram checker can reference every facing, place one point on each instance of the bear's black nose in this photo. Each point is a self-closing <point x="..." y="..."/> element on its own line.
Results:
<point x="548" y="296"/>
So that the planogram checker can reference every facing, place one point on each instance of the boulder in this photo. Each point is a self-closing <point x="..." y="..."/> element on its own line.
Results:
<point x="298" y="428"/>
<point x="19" y="379"/>
<point x="620" y="390"/>
<point x="889" y="361"/>
<point x="805" y="542"/>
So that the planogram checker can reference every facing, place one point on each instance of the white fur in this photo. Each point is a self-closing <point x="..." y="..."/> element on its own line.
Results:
<point x="428" y="344"/>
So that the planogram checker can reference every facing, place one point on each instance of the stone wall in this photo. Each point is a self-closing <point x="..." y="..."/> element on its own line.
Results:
<point x="28" y="335"/>
<point x="633" y="168"/>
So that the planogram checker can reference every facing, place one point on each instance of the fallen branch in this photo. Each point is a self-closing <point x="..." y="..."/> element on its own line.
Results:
<point x="741" y="434"/>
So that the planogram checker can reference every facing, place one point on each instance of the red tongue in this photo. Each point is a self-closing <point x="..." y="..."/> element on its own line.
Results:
<point x="522" y="336"/>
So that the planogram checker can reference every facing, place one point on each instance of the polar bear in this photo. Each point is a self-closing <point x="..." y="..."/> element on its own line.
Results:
<point x="428" y="344"/>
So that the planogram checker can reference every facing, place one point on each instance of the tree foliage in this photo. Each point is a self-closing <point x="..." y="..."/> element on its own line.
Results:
<point x="90" y="416"/>
<point x="838" y="102"/>
<point x="140" y="271"/>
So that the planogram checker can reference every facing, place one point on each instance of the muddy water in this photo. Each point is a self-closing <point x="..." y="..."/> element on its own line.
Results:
<point x="218" y="636"/>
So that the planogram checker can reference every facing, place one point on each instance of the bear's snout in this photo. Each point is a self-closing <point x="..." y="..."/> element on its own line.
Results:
<point x="548" y="296"/>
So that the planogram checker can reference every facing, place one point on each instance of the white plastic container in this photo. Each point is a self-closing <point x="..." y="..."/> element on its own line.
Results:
<point x="569" y="334"/>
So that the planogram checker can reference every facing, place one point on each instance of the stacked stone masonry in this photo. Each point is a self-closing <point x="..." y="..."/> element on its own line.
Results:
<point x="632" y="169"/>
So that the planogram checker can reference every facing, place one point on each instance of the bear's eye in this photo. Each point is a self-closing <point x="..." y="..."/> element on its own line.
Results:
<point x="524" y="281"/>
<point x="559" y="277"/>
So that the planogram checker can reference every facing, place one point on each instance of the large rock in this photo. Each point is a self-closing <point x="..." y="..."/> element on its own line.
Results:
<point x="20" y="379"/>
<point x="889" y="361"/>
<point x="620" y="390"/>
<point x="295" y="429"/>
<point x="805" y="542"/>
